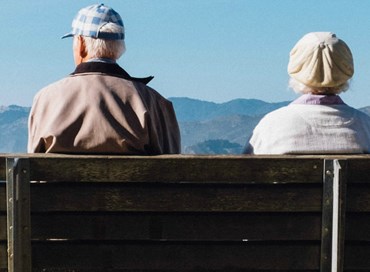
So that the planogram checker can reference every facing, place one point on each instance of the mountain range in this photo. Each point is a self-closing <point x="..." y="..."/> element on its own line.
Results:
<point x="188" y="109"/>
<point x="206" y="127"/>
<point x="13" y="129"/>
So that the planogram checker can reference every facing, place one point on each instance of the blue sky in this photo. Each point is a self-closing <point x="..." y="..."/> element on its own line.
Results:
<point x="214" y="50"/>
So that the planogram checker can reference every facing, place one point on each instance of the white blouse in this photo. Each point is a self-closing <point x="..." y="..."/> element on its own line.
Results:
<point x="309" y="128"/>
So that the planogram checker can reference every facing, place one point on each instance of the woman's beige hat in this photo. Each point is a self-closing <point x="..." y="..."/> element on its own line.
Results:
<point x="320" y="59"/>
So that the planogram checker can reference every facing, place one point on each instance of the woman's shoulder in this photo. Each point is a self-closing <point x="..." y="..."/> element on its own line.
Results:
<point x="285" y="112"/>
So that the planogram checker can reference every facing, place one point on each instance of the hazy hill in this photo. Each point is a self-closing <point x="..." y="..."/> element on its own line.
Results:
<point x="13" y="129"/>
<point x="201" y="122"/>
<point x="227" y="124"/>
<point x="365" y="110"/>
<point x="215" y="147"/>
<point x="188" y="109"/>
<point x="233" y="128"/>
<point x="206" y="127"/>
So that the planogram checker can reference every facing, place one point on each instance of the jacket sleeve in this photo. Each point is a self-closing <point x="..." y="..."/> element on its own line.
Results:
<point x="39" y="120"/>
<point x="164" y="132"/>
<point x="35" y="144"/>
<point x="170" y="132"/>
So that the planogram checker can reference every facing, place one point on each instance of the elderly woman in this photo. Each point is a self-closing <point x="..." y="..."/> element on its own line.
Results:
<point x="318" y="122"/>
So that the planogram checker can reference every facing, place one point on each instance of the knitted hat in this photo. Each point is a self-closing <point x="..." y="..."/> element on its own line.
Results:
<point x="91" y="19"/>
<point x="320" y="59"/>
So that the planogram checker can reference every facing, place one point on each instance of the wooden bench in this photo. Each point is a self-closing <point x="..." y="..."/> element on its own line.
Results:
<point x="184" y="213"/>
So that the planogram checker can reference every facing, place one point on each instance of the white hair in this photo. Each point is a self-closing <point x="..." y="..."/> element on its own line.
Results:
<point x="301" y="88"/>
<point x="100" y="48"/>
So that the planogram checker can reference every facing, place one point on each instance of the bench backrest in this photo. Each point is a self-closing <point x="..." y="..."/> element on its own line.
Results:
<point x="182" y="213"/>
<point x="357" y="235"/>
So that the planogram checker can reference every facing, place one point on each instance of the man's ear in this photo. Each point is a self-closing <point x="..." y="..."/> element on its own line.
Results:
<point x="82" y="49"/>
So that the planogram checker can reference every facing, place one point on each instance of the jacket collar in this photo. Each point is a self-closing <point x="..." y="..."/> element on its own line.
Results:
<point x="112" y="69"/>
<point x="317" y="99"/>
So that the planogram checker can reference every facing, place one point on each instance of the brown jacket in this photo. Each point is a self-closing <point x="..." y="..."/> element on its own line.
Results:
<point x="100" y="109"/>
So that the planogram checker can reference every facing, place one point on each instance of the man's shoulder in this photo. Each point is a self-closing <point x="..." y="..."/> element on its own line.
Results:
<point x="58" y="83"/>
<point x="52" y="87"/>
<point x="150" y="95"/>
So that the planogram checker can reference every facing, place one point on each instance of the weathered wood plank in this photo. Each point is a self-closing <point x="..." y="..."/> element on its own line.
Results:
<point x="175" y="197"/>
<point x="2" y="197"/>
<point x="151" y="270"/>
<point x="357" y="227"/>
<point x="356" y="256"/>
<point x="358" y="170"/>
<point x="194" y="169"/>
<point x="188" y="226"/>
<point x="3" y="227"/>
<point x="178" y="256"/>
<point x="2" y="167"/>
<point x="3" y="256"/>
<point x="358" y="197"/>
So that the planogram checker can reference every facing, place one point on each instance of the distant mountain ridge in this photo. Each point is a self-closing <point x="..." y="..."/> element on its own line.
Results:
<point x="188" y="109"/>
<point x="233" y="128"/>
<point x="206" y="127"/>
<point x="13" y="129"/>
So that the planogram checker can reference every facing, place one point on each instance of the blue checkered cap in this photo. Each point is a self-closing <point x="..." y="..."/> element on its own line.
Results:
<point x="91" y="19"/>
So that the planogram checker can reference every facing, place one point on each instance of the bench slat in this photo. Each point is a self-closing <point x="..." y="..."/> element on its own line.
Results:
<point x="3" y="255"/>
<point x="358" y="197"/>
<point x="358" y="226"/>
<point x="179" y="256"/>
<point x="358" y="170"/>
<point x="357" y="257"/>
<point x="3" y="227"/>
<point x="203" y="169"/>
<point x="2" y="197"/>
<point x="3" y="167"/>
<point x="193" y="227"/>
<point x="182" y="198"/>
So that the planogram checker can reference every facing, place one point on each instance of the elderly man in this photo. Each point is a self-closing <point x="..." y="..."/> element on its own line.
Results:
<point x="100" y="108"/>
